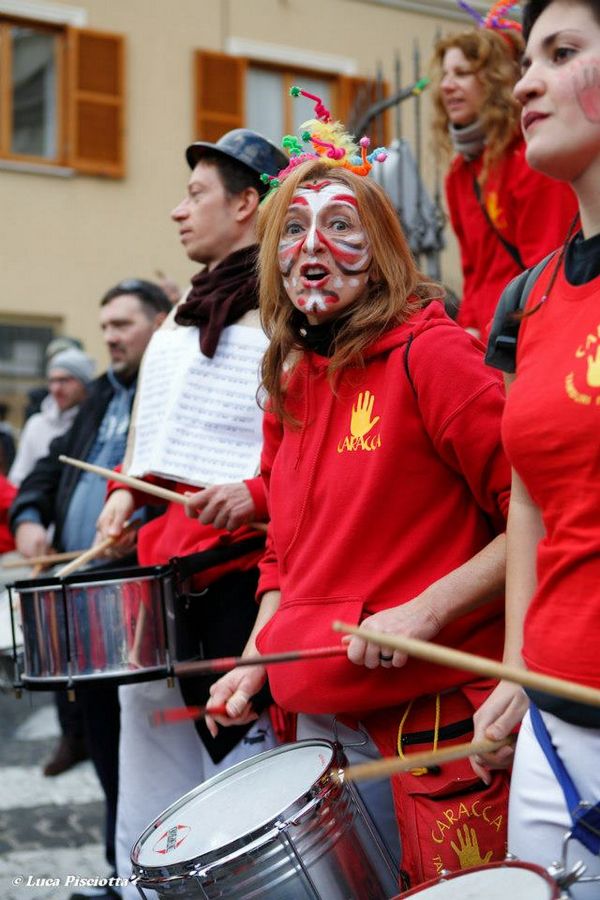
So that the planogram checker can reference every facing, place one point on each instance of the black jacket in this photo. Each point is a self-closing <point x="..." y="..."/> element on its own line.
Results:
<point x="50" y="485"/>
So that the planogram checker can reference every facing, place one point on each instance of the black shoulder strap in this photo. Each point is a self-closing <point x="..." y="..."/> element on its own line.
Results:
<point x="501" y="350"/>
<point x="510" y="248"/>
<point x="185" y="566"/>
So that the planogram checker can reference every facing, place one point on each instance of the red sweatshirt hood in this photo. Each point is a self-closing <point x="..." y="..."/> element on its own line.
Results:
<point x="431" y="316"/>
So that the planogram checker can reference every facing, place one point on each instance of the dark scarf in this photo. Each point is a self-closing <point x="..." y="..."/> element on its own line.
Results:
<point x="221" y="297"/>
<point x="321" y="338"/>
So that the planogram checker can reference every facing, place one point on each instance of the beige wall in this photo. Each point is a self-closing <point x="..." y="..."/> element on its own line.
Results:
<point x="65" y="240"/>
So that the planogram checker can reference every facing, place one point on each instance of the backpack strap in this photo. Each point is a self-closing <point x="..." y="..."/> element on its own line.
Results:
<point x="502" y="344"/>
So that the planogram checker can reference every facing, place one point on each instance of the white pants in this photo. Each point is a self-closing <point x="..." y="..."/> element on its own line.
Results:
<point x="158" y="765"/>
<point x="376" y="794"/>
<point x="538" y="818"/>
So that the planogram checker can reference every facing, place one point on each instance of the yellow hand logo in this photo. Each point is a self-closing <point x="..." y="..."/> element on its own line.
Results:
<point x="361" y="422"/>
<point x="467" y="849"/>
<point x="593" y="369"/>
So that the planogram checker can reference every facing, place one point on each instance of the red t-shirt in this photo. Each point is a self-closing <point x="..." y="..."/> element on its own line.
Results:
<point x="531" y="211"/>
<point x="551" y="432"/>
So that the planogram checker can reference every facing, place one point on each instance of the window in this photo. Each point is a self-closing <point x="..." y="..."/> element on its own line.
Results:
<point x="22" y="350"/>
<point x="61" y="97"/>
<point x="233" y="92"/>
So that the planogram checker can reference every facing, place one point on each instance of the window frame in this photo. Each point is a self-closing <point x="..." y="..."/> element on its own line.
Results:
<point x="6" y="91"/>
<point x="72" y="131"/>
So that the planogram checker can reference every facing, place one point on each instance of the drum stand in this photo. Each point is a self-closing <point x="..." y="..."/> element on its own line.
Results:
<point x="565" y="876"/>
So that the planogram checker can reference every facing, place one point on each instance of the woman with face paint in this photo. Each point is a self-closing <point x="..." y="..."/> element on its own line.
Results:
<point x="387" y="490"/>
<point x="492" y="194"/>
<point x="550" y="431"/>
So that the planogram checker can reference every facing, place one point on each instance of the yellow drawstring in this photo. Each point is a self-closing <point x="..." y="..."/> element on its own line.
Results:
<point x="436" y="731"/>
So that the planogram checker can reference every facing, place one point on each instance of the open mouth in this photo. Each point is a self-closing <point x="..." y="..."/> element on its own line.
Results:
<point x="314" y="275"/>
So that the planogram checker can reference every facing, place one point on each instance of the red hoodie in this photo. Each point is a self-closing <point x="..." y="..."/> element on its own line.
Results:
<point x="364" y="518"/>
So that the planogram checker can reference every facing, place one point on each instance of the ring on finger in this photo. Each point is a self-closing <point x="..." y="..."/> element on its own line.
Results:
<point x="385" y="658"/>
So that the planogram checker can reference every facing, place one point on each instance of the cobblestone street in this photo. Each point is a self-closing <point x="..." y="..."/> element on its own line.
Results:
<point x="50" y="828"/>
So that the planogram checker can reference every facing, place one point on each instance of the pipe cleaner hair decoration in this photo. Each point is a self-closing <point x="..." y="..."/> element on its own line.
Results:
<point x="323" y="138"/>
<point x="496" y="17"/>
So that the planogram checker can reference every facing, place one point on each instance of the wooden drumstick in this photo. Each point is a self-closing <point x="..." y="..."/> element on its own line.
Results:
<point x="382" y="768"/>
<point x="93" y="552"/>
<point x="50" y="559"/>
<point x="139" y="484"/>
<point x="128" y="480"/>
<point x="481" y="665"/>
<point x="184" y="714"/>
<point x="227" y="663"/>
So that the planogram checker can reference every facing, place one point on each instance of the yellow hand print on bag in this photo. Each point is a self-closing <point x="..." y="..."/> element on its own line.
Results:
<point x="361" y="422"/>
<point x="467" y="849"/>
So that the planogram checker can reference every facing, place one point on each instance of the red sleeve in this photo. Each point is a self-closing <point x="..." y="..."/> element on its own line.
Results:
<point x="464" y="422"/>
<point x="8" y="492"/>
<point x="268" y="566"/>
<point x="543" y="209"/>
<point x="454" y="193"/>
<point x="259" y="497"/>
<point x="140" y="498"/>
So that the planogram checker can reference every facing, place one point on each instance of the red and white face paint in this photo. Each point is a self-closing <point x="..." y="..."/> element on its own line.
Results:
<point x="324" y="253"/>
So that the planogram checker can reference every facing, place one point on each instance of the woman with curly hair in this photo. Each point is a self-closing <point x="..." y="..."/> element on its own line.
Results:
<point x="506" y="217"/>
<point x="381" y="434"/>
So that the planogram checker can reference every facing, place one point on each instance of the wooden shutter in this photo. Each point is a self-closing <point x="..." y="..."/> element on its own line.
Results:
<point x="96" y="102"/>
<point x="219" y="82"/>
<point x="355" y="97"/>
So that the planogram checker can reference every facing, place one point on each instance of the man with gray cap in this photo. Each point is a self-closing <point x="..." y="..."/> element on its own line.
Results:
<point x="216" y="222"/>
<point x="69" y="373"/>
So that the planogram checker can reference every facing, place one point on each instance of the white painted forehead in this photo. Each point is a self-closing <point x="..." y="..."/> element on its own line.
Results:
<point x="316" y="200"/>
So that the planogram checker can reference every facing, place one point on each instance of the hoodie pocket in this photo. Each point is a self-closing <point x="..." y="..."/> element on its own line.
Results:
<point x="312" y="686"/>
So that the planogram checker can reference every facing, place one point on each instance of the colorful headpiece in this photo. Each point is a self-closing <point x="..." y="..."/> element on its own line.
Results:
<point x="495" y="19"/>
<point x="330" y="143"/>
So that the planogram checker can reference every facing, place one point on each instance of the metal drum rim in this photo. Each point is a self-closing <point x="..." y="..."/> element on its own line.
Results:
<point x="36" y="584"/>
<point x="204" y="861"/>
<point x="492" y="866"/>
<point x="108" y="576"/>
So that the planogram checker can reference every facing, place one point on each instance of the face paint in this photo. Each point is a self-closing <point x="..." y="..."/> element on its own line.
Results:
<point x="323" y="249"/>
<point x="586" y="87"/>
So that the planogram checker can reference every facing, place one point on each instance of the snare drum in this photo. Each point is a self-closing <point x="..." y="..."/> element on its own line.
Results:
<point x="278" y="825"/>
<point x="103" y="624"/>
<point x="495" y="881"/>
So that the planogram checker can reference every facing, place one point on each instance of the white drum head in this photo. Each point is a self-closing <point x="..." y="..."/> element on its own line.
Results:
<point x="502" y="882"/>
<point x="234" y="803"/>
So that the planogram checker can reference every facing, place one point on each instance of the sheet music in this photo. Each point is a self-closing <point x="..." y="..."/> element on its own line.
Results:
<point x="198" y="420"/>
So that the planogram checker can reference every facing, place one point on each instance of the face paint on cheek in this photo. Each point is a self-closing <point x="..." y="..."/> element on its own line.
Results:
<point x="585" y="75"/>
<point x="288" y="253"/>
<point x="352" y="255"/>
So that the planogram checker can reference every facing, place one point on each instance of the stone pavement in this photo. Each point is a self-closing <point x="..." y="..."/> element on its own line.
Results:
<point x="50" y="828"/>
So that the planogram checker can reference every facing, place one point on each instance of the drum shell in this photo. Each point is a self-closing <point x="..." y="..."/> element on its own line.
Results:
<point x="101" y="625"/>
<point x="45" y="641"/>
<point x="117" y="625"/>
<point x="322" y="845"/>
